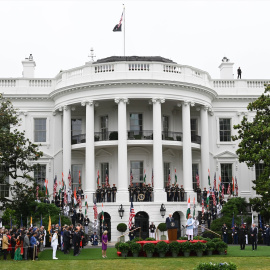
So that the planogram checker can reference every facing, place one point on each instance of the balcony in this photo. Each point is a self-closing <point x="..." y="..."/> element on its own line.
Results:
<point x="106" y="136"/>
<point x="172" y="136"/>
<point x="140" y="135"/>
<point x="196" y="139"/>
<point x="75" y="139"/>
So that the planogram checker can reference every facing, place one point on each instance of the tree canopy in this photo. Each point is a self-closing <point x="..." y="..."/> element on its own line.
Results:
<point x="254" y="148"/>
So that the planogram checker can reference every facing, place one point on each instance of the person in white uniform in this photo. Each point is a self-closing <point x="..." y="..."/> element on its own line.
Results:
<point x="54" y="244"/>
<point x="189" y="230"/>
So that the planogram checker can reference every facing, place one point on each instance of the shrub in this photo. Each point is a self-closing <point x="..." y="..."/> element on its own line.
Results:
<point x="136" y="239"/>
<point x="162" y="227"/>
<point x="214" y="266"/>
<point x="186" y="246"/>
<point x="123" y="247"/>
<point x="215" y="240"/>
<point x="150" y="239"/>
<point x="113" y="135"/>
<point x="174" y="247"/>
<point x="149" y="247"/>
<point x="182" y="238"/>
<point x="198" y="246"/>
<point x="221" y="246"/>
<point x="210" y="245"/>
<point x="117" y="246"/>
<point x="121" y="227"/>
<point x="162" y="247"/>
<point x="135" y="247"/>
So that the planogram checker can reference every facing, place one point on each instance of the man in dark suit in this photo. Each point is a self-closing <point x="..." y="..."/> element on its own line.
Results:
<point x="253" y="236"/>
<point x="169" y="220"/>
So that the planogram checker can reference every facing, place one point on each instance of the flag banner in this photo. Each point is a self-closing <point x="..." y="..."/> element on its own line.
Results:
<point x="202" y="206"/>
<point x="54" y="186"/>
<point x="37" y="188"/>
<point x="107" y="177"/>
<point x="98" y="178"/>
<point x="233" y="186"/>
<point x="188" y="208"/>
<point x="49" y="225"/>
<point x="236" y="187"/>
<point x="65" y="197"/>
<point x="175" y="177"/>
<point x="223" y="191"/>
<point x="46" y="186"/>
<point x="215" y="182"/>
<point x="131" y="177"/>
<point x="169" y="177"/>
<point x="75" y="197"/>
<point x="69" y="180"/>
<point x="79" y="178"/>
<point x="95" y="211"/>
<point x="131" y="215"/>
<point x="207" y="199"/>
<point x="118" y="27"/>
<point x="31" y="222"/>
<point x="219" y="185"/>
<point x="197" y="179"/>
<point x="144" y="178"/>
<point x="209" y="183"/>
<point x="152" y="177"/>
<point x="229" y="190"/>
<point x="214" y="198"/>
<point x="102" y="214"/>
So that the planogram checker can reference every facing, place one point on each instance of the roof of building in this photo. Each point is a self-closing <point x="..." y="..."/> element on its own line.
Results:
<point x="134" y="58"/>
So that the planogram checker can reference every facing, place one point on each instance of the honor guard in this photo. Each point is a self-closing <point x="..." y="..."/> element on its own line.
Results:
<point x="86" y="222"/>
<point x="137" y="191"/>
<point x="172" y="192"/>
<point x="199" y="195"/>
<point x="177" y="191"/>
<point x="114" y="190"/>
<point x="103" y="192"/>
<point x="224" y="230"/>
<point x="98" y="194"/>
<point x="204" y="194"/>
<point x="182" y="193"/>
<point x="149" y="191"/>
<point x="144" y="191"/>
<point x="131" y="191"/>
<point x="152" y="229"/>
<point x="80" y="193"/>
<point x="109" y="193"/>
<point x="168" y="191"/>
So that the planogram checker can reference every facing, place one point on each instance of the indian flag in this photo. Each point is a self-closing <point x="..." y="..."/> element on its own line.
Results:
<point x="144" y="179"/>
<point x="175" y="177"/>
<point x="207" y="199"/>
<point x="188" y="208"/>
<point x="75" y="197"/>
<point x="233" y="186"/>
<point x="102" y="214"/>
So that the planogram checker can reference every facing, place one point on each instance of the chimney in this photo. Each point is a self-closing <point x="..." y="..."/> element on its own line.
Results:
<point x="29" y="67"/>
<point x="226" y="69"/>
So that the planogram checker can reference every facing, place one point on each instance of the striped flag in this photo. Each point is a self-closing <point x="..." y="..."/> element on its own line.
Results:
<point x="229" y="189"/>
<point x="215" y="182"/>
<point x="188" y="208"/>
<point x="95" y="211"/>
<point x="144" y="179"/>
<point x="222" y="191"/>
<point x="236" y="187"/>
<point x="219" y="185"/>
<point x="209" y="183"/>
<point x="118" y="27"/>
<point x="197" y="179"/>
<point x="49" y="225"/>
<point x="79" y="178"/>
<point x="107" y="177"/>
<point x="175" y="177"/>
<point x="98" y="178"/>
<point x="131" y="215"/>
<point x="69" y="180"/>
<point x="46" y="185"/>
<point x="54" y="186"/>
<point x="102" y="214"/>
<point x="152" y="177"/>
<point x="65" y="197"/>
<point x="31" y="221"/>
<point x="214" y="198"/>
<point x="131" y="177"/>
<point x="75" y="197"/>
<point x="233" y="186"/>
<point x="169" y="177"/>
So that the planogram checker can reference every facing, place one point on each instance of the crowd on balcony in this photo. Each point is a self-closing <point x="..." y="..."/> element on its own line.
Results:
<point x="106" y="193"/>
<point x="140" y="193"/>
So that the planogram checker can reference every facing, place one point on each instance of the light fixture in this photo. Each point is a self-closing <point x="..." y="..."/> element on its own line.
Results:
<point x="121" y="211"/>
<point x="162" y="210"/>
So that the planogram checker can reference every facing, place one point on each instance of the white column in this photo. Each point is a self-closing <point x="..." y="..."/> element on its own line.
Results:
<point x="187" y="157"/>
<point x="204" y="147"/>
<point x="122" y="184"/>
<point x="89" y="186"/>
<point x="66" y="143"/>
<point x="159" y="193"/>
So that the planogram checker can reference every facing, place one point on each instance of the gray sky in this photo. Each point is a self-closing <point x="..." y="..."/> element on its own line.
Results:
<point x="60" y="34"/>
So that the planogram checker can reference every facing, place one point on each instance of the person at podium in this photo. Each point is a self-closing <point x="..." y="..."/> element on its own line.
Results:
<point x="169" y="220"/>
<point x="189" y="230"/>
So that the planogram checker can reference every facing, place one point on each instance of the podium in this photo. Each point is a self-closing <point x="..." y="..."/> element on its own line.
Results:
<point x="172" y="234"/>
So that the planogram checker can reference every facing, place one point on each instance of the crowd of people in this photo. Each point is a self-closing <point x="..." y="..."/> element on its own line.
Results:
<point x="106" y="193"/>
<point x="141" y="193"/>
<point x="174" y="193"/>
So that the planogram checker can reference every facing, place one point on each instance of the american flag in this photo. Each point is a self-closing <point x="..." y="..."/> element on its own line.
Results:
<point x="37" y="191"/>
<point x="80" y="202"/>
<point x="222" y="192"/>
<point x="214" y="198"/>
<point x="152" y="178"/>
<point x="236" y="187"/>
<point x="229" y="190"/>
<point x="169" y="176"/>
<point x="46" y="185"/>
<point x="95" y="210"/>
<point x="119" y="25"/>
<point x="107" y="177"/>
<point x="62" y="179"/>
<point x="215" y="182"/>
<point x="131" y="176"/>
<point x="69" y="179"/>
<point x="198" y="179"/>
<point x="55" y="186"/>
<point x="131" y="215"/>
<point x="65" y="197"/>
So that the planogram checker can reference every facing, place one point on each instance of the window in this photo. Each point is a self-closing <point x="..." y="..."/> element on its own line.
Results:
<point x="195" y="169"/>
<point x="166" y="125"/>
<point x="259" y="168"/>
<point x="137" y="171"/>
<point x="40" y="129"/>
<point x="226" y="176"/>
<point x="76" y="127"/>
<point x="40" y="175"/>
<point x="75" y="169"/>
<point x="225" y="130"/>
<point x="136" y="122"/>
<point x="4" y="182"/>
<point x="104" y="127"/>
<point x="193" y="129"/>
<point x="166" y="167"/>
<point x="104" y="171"/>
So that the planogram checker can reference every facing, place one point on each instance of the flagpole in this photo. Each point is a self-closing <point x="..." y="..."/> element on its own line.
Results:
<point x="124" y="30"/>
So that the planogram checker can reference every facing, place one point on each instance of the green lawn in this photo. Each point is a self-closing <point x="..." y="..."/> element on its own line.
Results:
<point x="91" y="259"/>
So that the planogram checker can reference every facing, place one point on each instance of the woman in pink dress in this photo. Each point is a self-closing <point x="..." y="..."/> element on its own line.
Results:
<point x="104" y="244"/>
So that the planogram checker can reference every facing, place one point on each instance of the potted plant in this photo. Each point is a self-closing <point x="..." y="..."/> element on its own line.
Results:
<point x="122" y="227"/>
<point x="113" y="135"/>
<point x="163" y="228"/>
<point x="123" y="248"/>
<point x="162" y="248"/>
<point x="174" y="248"/>
<point x="221" y="247"/>
<point x="149" y="249"/>
<point x="135" y="248"/>
<point x="199" y="248"/>
<point x="186" y="248"/>
<point x="96" y="138"/>
<point x="210" y="247"/>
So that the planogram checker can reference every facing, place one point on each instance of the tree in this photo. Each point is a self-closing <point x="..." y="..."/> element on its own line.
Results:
<point x="254" y="148"/>
<point x="17" y="154"/>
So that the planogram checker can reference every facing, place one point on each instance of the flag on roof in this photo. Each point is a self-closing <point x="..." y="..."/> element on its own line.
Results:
<point x="131" y="215"/>
<point x="188" y="209"/>
<point x="118" y="27"/>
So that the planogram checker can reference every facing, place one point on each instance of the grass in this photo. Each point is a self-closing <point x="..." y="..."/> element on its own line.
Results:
<point x="91" y="259"/>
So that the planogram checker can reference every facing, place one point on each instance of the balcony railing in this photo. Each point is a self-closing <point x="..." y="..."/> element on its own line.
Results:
<point x="106" y="136"/>
<point x="172" y="136"/>
<point x="75" y="139"/>
<point x="140" y="135"/>
<point x="196" y="139"/>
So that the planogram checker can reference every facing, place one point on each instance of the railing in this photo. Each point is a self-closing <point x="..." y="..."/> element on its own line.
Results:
<point x="172" y="136"/>
<point x="106" y="136"/>
<point x="75" y="73"/>
<point x="257" y="84"/>
<point x="196" y="139"/>
<point x="223" y="83"/>
<point x="171" y="196"/>
<point x="40" y="83"/>
<point x="75" y="139"/>
<point x="7" y="83"/>
<point x="140" y="135"/>
<point x="171" y="69"/>
<point x="138" y="67"/>
<point x="104" y="68"/>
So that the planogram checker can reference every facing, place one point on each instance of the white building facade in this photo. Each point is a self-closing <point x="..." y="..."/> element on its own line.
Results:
<point x="147" y="115"/>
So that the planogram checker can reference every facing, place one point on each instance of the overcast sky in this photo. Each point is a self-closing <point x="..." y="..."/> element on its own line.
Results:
<point x="60" y="34"/>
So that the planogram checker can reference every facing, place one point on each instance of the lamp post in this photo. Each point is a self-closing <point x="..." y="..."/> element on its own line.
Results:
<point x="121" y="211"/>
<point x="162" y="210"/>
